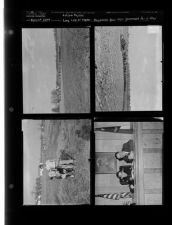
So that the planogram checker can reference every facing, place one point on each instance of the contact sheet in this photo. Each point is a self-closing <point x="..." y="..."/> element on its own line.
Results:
<point x="85" y="108"/>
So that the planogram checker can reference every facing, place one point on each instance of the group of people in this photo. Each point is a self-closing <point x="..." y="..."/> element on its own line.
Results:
<point x="61" y="170"/>
<point x="126" y="172"/>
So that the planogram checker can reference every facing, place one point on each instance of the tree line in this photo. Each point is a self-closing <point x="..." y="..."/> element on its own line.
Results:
<point x="55" y="99"/>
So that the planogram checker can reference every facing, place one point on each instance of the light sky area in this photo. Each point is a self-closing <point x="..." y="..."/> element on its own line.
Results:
<point x="145" y="54"/>
<point x="39" y="69"/>
<point x="31" y="157"/>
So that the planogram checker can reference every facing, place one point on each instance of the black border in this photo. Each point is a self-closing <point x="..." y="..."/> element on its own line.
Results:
<point x="14" y="209"/>
<point x="145" y="119"/>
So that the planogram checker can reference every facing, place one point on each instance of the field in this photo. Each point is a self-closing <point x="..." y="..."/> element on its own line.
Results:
<point x="75" y="66"/>
<point x="61" y="139"/>
<point x="111" y="69"/>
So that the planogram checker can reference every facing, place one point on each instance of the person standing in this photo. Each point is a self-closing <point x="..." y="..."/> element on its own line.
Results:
<point x="66" y="162"/>
<point x="50" y="164"/>
<point x="125" y="175"/>
<point x="59" y="174"/>
<point x="127" y="152"/>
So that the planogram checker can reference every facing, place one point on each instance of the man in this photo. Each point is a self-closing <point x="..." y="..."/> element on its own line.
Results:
<point x="128" y="146"/>
<point x="131" y="186"/>
<point x="66" y="163"/>
<point x="41" y="165"/>
<point x="54" y="173"/>
<point x="50" y="164"/>
<point x="126" y="153"/>
<point x="125" y="175"/>
<point x="65" y="171"/>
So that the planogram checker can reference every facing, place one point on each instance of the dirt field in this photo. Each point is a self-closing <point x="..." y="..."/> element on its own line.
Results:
<point x="110" y="77"/>
<point x="61" y="136"/>
<point x="75" y="54"/>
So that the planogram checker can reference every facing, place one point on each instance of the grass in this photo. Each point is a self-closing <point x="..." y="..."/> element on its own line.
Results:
<point x="75" y="69"/>
<point x="110" y="66"/>
<point x="72" y="190"/>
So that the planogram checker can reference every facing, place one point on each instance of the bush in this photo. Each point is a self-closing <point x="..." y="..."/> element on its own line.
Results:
<point x="55" y="96"/>
<point x="84" y="132"/>
<point x="56" y="109"/>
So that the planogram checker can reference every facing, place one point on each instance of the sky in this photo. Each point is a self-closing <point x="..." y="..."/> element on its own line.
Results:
<point x="145" y="54"/>
<point x="31" y="156"/>
<point x="39" y="69"/>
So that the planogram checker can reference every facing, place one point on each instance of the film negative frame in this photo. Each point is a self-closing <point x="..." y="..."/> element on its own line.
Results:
<point x="14" y="22"/>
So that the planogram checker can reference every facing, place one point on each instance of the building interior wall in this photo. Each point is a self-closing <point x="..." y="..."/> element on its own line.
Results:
<point x="151" y="136"/>
<point x="110" y="142"/>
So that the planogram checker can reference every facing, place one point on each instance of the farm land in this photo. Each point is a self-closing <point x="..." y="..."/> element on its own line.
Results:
<point x="112" y="69"/>
<point x="61" y="138"/>
<point x="73" y="69"/>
